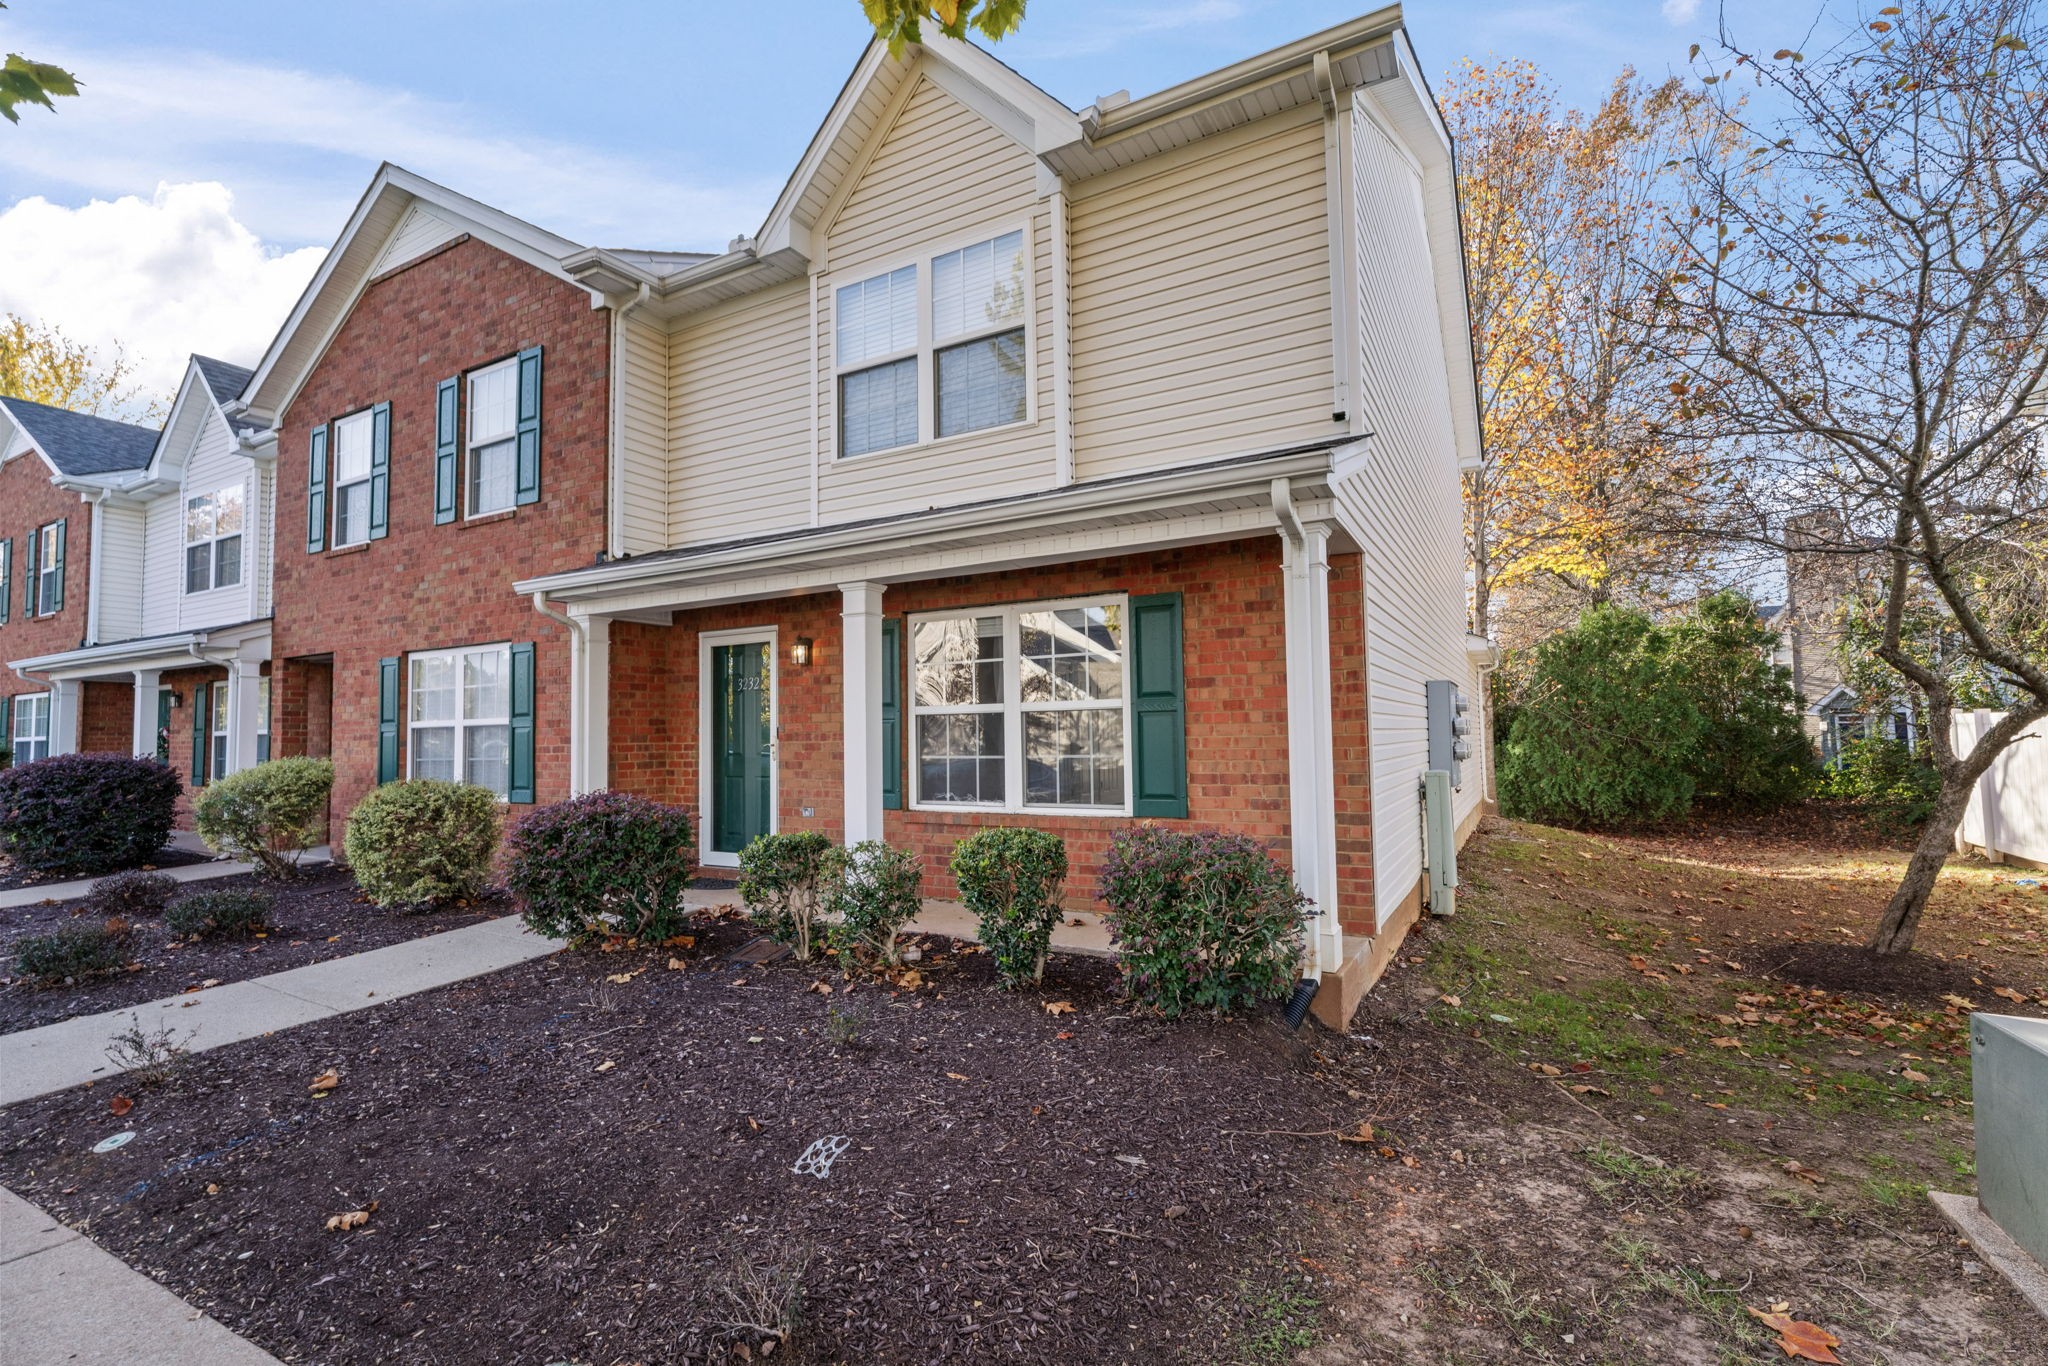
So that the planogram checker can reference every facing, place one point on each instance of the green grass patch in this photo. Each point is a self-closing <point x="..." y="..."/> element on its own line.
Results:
<point x="1280" y="1320"/>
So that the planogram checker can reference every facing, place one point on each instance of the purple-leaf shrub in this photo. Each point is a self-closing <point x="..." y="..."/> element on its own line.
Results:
<point x="86" y="813"/>
<point x="603" y="863"/>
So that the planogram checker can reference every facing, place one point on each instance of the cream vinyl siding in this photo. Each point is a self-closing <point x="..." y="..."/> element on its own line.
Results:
<point x="163" y="579"/>
<point x="419" y="232"/>
<point x="1200" y="301"/>
<point x="940" y="178"/>
<point x="1402" y="503"/>
<point x="644" y="382"/>
<point x="119" y="554"/>
<point x="263" y="514"/>
<point x="738" y="405"/>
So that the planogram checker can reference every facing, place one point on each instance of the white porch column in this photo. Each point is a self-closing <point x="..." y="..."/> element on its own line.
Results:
<point x="66" y="696"/>
<point x="590" y="705"/>
<point x="1311" y="764"/>
<point x="245" y="693"/>
<point x="860" y="619"/>
<point x="147" y="684"/>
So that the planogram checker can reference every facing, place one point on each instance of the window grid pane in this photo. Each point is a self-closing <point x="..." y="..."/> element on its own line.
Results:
<point x="981" y="384"/>
<point x="978" y="287"/>
<point x="876" y="317"/>
<point x="878" y="408"/>
<point x="493" y="477"/>
<point x="352" y="448"/>
<point x="493" y="406"/>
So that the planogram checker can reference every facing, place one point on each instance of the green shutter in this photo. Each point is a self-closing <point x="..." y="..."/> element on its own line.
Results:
<point x="7" y="725"/>
<point x="519" y="788"/>
<point x="447" y="397"/>
<point x="316" y="490"/>
<point x="1159" y="727"/>
<point x="892" y="714"/>
<point x="201" y="715"/>
<point x="529" y="427"/>
<point x="6" y="577"/>
<point x="380" y="471"/>
<point x="56" y="603"/>
<point x="387" y="720"/>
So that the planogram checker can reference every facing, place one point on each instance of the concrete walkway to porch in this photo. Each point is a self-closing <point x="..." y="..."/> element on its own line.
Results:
<point x="186" y="872"/>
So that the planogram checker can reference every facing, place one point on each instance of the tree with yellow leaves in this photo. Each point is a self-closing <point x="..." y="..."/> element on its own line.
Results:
<point x="39" y="363"/>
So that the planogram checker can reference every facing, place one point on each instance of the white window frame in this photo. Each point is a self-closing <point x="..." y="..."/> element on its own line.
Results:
<point x="459" y="723"/>
<point x="925" y="350"/>
<point x="220" y="724"/>
<point x="1013" y="707"/>
<point x="471" y="442"/>
<point x="37" y="703"/>
<point x="213" y="541"/>
<point x="47" y="570"/>
<point x="336" y="488"/>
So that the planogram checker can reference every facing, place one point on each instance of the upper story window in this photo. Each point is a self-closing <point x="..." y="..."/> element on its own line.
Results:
<point x="42" y="589"/>
<point x="461" y="716"/>
<point x="492" y="438"/>
<point x="6" y="576"/>
<point x="953" y="327"/>
<point x="352" y="479"/>
<point x="31" y="728"/>
<point x="213" y="540"/>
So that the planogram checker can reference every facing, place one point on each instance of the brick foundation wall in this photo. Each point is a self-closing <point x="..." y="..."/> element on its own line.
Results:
<point x="1234" y="664"/>
<point x="428" y="587"/>
<point x="27" y="501"/>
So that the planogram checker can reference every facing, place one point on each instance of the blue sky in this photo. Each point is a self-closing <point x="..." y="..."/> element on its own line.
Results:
<point x="658" y="123"/>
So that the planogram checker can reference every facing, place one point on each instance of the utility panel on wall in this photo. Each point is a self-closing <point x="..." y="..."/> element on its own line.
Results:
<point x="1448" y="727"/>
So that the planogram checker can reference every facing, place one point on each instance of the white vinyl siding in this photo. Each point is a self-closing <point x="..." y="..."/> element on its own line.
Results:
<point x="1201" y="302"/>
<point x="419" y="232"/>
<point x="118" y="550"/>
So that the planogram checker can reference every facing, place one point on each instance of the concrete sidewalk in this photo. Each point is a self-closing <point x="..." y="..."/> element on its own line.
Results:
<point x="66" y="1301"/>
<point x="36" y="1062"/>
<point x="186" y="872"/>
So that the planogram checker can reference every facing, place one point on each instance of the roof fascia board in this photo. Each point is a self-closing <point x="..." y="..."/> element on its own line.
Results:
<point x="782" y="215"/>
<point x="193" y="380"/>
<point x="984" y="77"/>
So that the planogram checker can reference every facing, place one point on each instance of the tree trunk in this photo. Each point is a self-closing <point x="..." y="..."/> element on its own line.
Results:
<point x="1901" y="919"/>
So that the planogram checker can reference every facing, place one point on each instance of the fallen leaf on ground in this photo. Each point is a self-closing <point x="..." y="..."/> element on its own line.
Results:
<point x="355" y="1218"/>
<point x="822" y="988"/>
<point x="1804" y="1172"/>
<point x="958" y="1076"/>
<point x="624" y="977"/>
<point x="1725" y="1042"/>
<point x="607" y="1065"/>
<point x="2018" y="998"/>
<point x="1545" y="1069"/>
<point x="1910" y="1075"/>
<point x="326" y="1081"/>
<point x="1064" y="1034"/>
<point x="1059" y="1007"/>
<point x="1798" y="1338"/>
<point x="120" y="1105"/>
<point x="1451" y="1001"/>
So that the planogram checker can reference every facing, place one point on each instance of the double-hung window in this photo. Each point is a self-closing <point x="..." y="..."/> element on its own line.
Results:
<point x="951" y="326"/>
<point x="1021" y="708"/>
<point x="47" y="564"/>
<point x="31" y="728"/>
<point x="217" y="728"/>
<point x="351" y="479"/>
<point x="460" y="716"/>
<point x="213" y="540"/>
<point x="492" y="437"/>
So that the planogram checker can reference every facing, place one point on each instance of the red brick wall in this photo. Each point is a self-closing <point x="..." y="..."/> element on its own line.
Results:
<point x="106" y="718"/>
<point x="428" y="587"/>
<point x="1235" y="668"/>
<point x="28" y="501"/>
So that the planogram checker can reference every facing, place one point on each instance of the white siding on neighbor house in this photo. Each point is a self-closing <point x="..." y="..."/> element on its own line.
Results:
<point x="163" y="578"/>
<point x="1402" y="503"/>
<point x="643" y="493"/>
<point x="263" y="478"/>
<point x="119" y="558"/>
<point x="419" y="232"/>
<point x="738" y="409"/>
<point x="1201" y="301"/>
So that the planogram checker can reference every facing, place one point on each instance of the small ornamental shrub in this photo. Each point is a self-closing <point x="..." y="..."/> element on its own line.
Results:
<point x="1010" y="878"/>
<point x="782" y="882"/>
<point x="134" y="894"/>
<point x="220" y="915"/>
<point x="86" y="813"/>
<point x="269" y="815"/>
<point x="422" y="842"/>
<point x="873" y="895"/>
<point x="73" y="953"/>
<point x="1895" y="788"/>
<point x="1201" y="921"/>
<point x="603" y="863"/>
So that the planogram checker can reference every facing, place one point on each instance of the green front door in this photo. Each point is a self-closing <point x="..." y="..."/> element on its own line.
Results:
<point x="742" y="733"/>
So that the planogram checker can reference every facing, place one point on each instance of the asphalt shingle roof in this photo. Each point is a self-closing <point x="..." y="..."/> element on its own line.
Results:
<point x="226" y="382"/>
<point x="77" y="443"/>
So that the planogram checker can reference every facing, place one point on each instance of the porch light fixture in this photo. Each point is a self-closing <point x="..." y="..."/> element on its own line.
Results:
<point x="800" y="653"/>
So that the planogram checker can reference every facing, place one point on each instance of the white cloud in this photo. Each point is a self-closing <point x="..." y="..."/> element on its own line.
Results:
<point x="1679" y="12"/>
<point x="164" y="276"/>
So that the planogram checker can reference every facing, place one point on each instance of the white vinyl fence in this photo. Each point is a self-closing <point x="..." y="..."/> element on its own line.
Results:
<point x="2008" y="812"/>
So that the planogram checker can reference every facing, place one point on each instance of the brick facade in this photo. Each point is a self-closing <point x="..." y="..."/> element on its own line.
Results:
<point x="428" y="587"/>
<point x="29" y="501"/>
<point x="1235" y="671"/>
<point x="106" y="718"/>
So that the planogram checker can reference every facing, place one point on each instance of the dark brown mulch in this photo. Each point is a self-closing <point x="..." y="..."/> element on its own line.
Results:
<point x="13" y="878"/>
<point x="1908" y="977"/>
<point x="318" y="916"/>
<point x="567" y="1168"/>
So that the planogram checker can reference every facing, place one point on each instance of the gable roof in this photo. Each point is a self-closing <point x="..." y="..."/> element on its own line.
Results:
<point x="225" y="382"/>
<point x="79" y="444"/>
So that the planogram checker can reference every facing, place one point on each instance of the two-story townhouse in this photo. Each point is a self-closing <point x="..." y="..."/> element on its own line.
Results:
<point x="441" y="399"/>
<point x="55" y="469"/>
<point x="1063" y="468"/>
<point x="179" y="629"/>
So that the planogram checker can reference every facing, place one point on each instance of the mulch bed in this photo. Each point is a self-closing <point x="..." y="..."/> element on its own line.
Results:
<point x="318" y="916"/>
<point x="13" y="878"/>
<point x="575" y="1159"/>
<point x="1910" y="977"/>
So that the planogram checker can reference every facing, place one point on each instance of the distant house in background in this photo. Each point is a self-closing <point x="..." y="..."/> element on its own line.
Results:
<point x="1820" y="580"/>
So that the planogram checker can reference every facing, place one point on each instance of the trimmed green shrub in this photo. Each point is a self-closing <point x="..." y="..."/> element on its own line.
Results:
<point x="782" y="882"/>
<point x="86" y="813"/>
<point x="134" y="894"/>
<point x="220" y="915"/>
<point x="873" y="895"/>
<point x="1894" y="787"/>
<point x="603" y="863"/>
<point x="269" y="815"/>
<point x="1010" y="878"/>
<point x="422" y="842"/>
<point x="1201" y="920"/>
<point x="73" y="953"/>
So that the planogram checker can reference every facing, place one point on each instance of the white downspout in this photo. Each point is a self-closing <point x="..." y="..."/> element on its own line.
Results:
<point x="1311" y="773"/>
<point x="580" y="759"/>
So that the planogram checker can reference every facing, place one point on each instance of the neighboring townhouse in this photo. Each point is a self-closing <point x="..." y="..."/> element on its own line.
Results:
<point x="441" y="400"/>
<point x="56" y="467"/>
<point x="172" y="656"/>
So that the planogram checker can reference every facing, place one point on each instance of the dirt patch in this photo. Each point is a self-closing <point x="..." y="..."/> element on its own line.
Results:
<point x="577" y="1159"/>
<point x="170" y="856"/>
<point x="1913" y="977"/>
<point x="319" y="916"/>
